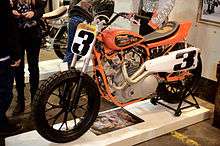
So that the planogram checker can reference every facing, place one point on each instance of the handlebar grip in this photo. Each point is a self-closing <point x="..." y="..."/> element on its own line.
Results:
<point x="141" y="17"/>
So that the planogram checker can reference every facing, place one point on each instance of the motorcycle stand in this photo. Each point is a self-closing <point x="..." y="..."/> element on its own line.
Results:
<point x="178" y="110"/>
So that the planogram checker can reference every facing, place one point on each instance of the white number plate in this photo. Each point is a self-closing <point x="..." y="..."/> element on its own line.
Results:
<point x="84" y="39"/>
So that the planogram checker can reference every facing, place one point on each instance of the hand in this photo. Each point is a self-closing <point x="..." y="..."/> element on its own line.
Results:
<point x="86" y="5"/>
<point x="131" y="18"/>
<point x="28" y="14"/>
<point x="16" y="13"/>
<point x="16" y="64"/>
<point x="129" y="15"/>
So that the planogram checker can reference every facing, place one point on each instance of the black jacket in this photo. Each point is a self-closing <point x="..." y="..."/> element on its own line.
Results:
<point x="38" y="8"/>
<point x="77" y="11"/>
<point x="9" y="45"/>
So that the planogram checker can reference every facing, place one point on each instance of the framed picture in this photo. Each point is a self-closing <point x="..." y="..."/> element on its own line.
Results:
<point x="113" y="120"/>
<point x="209" y="12"/>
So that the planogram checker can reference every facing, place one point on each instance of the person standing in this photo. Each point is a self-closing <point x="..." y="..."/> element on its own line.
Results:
<point x="28" y="14"/>
<point x="75" y="19"/>
<point x="157" y="10"/>
<point x="90" y="6"/>
<point x="9" y="58"/>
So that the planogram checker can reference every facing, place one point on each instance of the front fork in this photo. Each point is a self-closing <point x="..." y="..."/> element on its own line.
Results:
<point x="74" y="102"/>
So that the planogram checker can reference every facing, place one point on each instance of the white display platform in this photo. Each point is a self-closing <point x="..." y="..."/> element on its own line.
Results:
<point x="49" y="67"/>
<point x="158" y="121"/>
<point x="46" y="68"/>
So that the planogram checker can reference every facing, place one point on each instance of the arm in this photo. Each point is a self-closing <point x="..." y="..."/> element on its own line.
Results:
<point x="72" y="4"/>
<point x="85" y="4"/>
<point x="13" y="41"/>
<point x="39" y="8"/>
<point x="161" y="14"/>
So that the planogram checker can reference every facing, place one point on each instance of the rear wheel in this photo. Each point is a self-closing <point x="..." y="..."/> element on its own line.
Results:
<point x="55" y="118"/>
<point x="171" y="92"/>
<point x="60" y="43"/>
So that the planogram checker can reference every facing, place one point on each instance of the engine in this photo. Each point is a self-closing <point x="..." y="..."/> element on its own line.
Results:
<point x="133" y="58"/>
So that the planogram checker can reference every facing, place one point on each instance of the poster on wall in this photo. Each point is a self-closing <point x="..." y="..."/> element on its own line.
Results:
<point x="209" y="12"/>
<point x="113" y="120"/>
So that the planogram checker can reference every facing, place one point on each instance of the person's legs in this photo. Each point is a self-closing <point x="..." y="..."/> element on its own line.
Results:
<point x="19" y="79"/>
<point x="74" y="21"/>
<point x="144" y="27"/>
<point x="6" y="80"/>
<point x="33" y="68"/>
<point x="32" y="52"/>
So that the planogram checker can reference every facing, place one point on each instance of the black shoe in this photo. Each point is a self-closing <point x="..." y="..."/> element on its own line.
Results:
<point x="19" y="109"/>
<point x="10" y="129"/>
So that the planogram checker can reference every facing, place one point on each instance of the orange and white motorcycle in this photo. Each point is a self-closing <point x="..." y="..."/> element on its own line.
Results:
<point x="127" y="68"/>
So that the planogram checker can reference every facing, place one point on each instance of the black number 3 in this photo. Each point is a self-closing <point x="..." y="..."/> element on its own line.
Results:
<point x="189" y="60"/>
<point x="86" y="42"/>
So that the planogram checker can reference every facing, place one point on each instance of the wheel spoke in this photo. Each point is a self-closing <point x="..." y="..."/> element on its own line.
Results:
<point x="53" y="105"/>
<point x="67" y="128"/>
<point x="82" y="105"/>
<point x="60" y="92"/>
<point x="173" y="90"/>
<point x="55" y="94"/>
<point x="52" y="108"/>
<point x="64" y="121"/>
<point x="61" y="126"/>
<point x="56" y="116"/>
<point x="82" y="108"/>
<point x="74" y="117"/>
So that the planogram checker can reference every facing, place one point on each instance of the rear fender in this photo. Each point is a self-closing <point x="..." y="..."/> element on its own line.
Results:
<point x="185" y="59"/>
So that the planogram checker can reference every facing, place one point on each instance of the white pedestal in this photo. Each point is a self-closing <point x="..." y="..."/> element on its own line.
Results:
<point x="46" y="68"/>
<point x="49" y="67"/>
<point x="158" y="121"/>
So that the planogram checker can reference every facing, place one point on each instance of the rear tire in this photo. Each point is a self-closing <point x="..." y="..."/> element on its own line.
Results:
<point x="51" y="99"/>
<point x="60" y="43"/>
<point x="171" y="92"/>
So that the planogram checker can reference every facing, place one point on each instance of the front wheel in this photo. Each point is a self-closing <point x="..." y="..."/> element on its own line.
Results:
<point x="55" y="118"/>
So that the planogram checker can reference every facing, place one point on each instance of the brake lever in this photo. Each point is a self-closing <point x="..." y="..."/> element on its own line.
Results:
<point x="134" y="21"/>
<point x="131" y="17"/>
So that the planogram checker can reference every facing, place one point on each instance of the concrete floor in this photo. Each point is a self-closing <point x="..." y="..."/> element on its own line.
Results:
<point x="200" y="134"/>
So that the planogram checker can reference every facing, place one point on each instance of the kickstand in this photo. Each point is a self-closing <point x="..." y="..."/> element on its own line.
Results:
<point x="178" y="110"/>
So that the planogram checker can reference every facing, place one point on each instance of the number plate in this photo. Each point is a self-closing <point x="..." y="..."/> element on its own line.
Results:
<point x="84" y="39"/>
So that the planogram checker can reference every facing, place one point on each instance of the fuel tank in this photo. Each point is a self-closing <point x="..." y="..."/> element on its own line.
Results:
<point x="119" y="39"/>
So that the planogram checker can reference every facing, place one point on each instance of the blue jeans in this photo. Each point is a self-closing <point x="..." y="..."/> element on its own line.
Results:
<point x="6" y="86"/>
<point x="74" y="21"/>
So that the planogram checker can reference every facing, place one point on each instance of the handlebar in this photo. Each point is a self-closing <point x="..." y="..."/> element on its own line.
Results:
<point x="141" y="17"/>
<point x="131" y="17"/>
<point x="126" y="16"/>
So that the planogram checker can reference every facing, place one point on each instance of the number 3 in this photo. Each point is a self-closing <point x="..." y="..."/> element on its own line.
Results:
<point x="88" y="38"/>
<point x="188" y="60"/>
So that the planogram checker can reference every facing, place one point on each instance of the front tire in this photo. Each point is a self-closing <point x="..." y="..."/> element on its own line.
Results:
<point x="53" y="116"/>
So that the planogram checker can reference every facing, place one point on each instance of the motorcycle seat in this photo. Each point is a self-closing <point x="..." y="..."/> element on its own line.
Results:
<point x="164" y="32"/>
<point x="55" y="13"/>
<point x="79" y="11"/>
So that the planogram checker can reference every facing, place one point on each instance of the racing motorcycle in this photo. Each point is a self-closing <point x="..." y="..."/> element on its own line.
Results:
<point x="54" y="28"/>
<point x="127" y="68"/>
